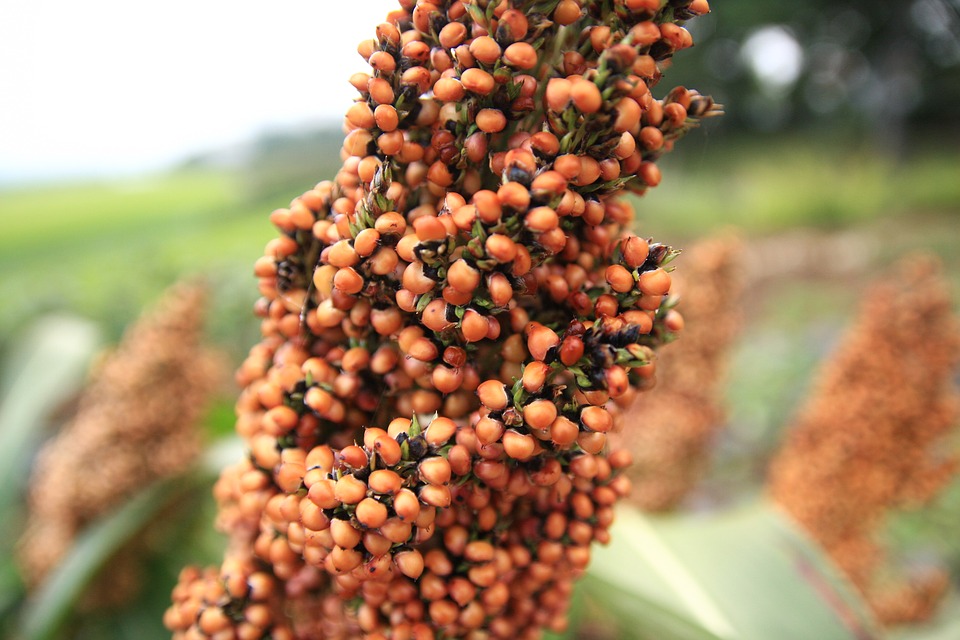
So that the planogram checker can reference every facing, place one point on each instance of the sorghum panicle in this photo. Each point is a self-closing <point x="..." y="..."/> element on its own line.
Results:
<point x="866" y="441"/>
<point x="450" y="326"/>
<point x="676" y="421"/>
<point x="135" y="424"/>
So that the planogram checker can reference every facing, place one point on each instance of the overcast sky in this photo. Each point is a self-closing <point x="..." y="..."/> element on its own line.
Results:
<point x="106" y="87"/>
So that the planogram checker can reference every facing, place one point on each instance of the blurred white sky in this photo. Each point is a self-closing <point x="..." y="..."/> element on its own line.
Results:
<point x="104" y="87"/>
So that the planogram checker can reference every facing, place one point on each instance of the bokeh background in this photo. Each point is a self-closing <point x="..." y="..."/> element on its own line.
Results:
<point x="140" y="144"/>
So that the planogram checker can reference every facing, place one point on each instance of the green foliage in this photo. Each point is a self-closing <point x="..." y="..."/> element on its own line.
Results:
<point x="748" y="574"/>
<point x="770" y="184"/>
<point x="49" y="608"/>
<point x="43" y="373"/>
<point x="105" y="251"/>
<point x="890" y="69"/>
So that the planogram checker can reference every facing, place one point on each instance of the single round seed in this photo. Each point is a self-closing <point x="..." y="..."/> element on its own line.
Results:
<point x="344" y="560"/>
<point x="380" y="90"/>
<point x="488" y="430"/>
<point x="385" y="481"/>
<point x="628" y="114"/>
<point x="541" y="219"/>
<point x="655" y="282"/>
<point x="374" y="543"/>
<point x="415" y="280"/>
<point x="557" y="95"/>
<point x="386" y="117"/>
<point x="521" y="55"/>
<point x="566" y="12"/>
<point x="348" y="281"/>
<point x="540" y="339"/>
<point x="388" y="449"/>
<point x="539" y="414"/>
<point x="675" y="113"/>
<point x="371" y="513"/>
<point x="214" y="620"/>
<point x="550" y="183"/>
<point x="534" y="376"/>
<point x="586" y="96"/>
<point x="564" y="432"/>
<point x="434" y="316"/>
<point x="342" y="254"/>
<point x="452" y="35"/>
<point x="493" y="395"/>
<point x="440" y="430"/>
<point x="571" y="350"/>
<point x="407" y="505"/>
<point x="429" y="228"/>
<point x="435" y="470"/>
<point x="676" y="36"/>
<point x="448" y="90"/>
<point x="410" y="564"/>
<point x="443" y="612"/>
<point x="491" y="120"/>
<point x="462" y="276"/>
<point x="619" y="278"/>
<point x="435" y="495"/>
<point x="517" y="445"/>
<point x="477" y="81"/>
<point x="390" y="223"/>
<point x="344" y="534"/>
<point x="596" y="419"/>
<point x="500" y="289"/>
<point x="360" y="115"/>
<point x="651" y="138"/>
<point x="474" y="326"/>
<point x="382" y="62"/>
<point x="447" y="379"/>
<point x="699" y="7"/>
<point x="673" y="321"/>
<point x="485" y="49"/>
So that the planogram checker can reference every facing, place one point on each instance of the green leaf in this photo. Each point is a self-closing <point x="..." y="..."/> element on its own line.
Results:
<point x="53" y="603"/>
<point x="46" y="611"/>
<point x="424" y="300"/>
<point x="641" y="616"/>
<point x="748" y="574"/>
<point x="48" y="369"/>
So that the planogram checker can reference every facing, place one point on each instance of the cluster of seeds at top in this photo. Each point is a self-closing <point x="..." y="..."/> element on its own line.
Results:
<point x="450" y="326"/>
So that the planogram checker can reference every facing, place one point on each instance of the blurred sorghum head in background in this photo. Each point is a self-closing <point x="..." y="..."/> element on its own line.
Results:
<point x="868" y="439"/>
<point x="136" y="423"/>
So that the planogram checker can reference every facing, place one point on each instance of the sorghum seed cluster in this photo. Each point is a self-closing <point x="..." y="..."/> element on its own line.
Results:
<point x="866" y="440"/>
<point x="449" y="327"/>
<point x="681" y="415"/>
<point x="135" y="424"/>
